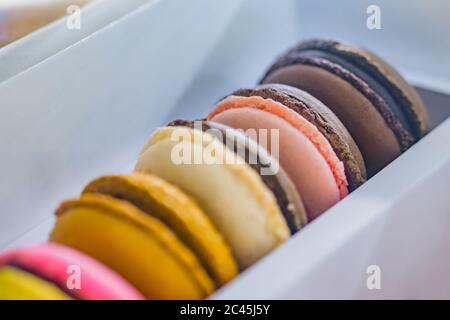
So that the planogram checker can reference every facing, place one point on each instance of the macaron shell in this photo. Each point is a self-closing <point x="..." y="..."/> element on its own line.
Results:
<point x="315" y="112"/>
<point x="292" y="199"/>
<point x="16" y="284"/>
<point x="400" y="90"/>
<point x="268" y="168"/>
<point x="53" y="262"/>
<point x="418" y="111"/>
<point x="414" y="104"/>
<point x="140" y="248"/>
<point x="312" y="175"/>
<point x="233" y="195"/>
<point x="377" y="142"/>
<point x="298" y="208"/>
<point x="177" y="210"/>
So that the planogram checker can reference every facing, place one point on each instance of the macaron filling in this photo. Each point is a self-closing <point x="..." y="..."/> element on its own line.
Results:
<point x="364" y="75"/>
<point x="295" y="120"/>
<point x="243" y="209"/>
<point x="166" y="202"/>
<point x="260" y="160"/>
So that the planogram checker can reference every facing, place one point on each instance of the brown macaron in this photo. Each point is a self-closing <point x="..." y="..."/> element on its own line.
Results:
<point x="382" y="112"/>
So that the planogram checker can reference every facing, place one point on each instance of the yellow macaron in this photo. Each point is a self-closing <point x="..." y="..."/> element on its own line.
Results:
<point x="17" y="284"/>
<point x="179" y="212"/>
<point x="139" y="247"/>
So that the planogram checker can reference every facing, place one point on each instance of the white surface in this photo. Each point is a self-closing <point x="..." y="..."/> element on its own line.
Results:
<point x="399" y="221"/>
<point x="49" y="40"/>
<point x="414" y="34"/>
<point x="89" y="109"/>
<point x="15" y="3"/>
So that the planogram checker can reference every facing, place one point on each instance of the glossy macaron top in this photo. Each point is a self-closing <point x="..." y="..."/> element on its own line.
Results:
<point x="383" y="113"/>
<point x="76" y="274"/>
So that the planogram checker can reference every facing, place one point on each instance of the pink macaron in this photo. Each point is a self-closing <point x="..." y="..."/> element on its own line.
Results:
<point x="74" y="273"/>
<point x="313" y="146"/>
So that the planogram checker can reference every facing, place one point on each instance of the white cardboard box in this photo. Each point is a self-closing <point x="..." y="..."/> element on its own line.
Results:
<point x="87" y="107"/>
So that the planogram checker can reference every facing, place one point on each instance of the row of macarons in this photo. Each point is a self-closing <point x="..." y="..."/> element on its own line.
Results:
<point x="178" y="229"/>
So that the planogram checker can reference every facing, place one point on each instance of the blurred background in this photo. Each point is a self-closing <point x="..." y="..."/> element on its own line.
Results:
<point x="20" y="17"/>
<point x="413" y="38"/>
<point x="413" y="34"/>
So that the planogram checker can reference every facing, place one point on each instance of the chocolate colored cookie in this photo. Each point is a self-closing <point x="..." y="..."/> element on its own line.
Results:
<point x="382" y="112"/>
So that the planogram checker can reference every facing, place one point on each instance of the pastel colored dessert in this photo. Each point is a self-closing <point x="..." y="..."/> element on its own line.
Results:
<point x="179" y="212"/>
<point x="315" y="149"/>
<point x="16" y="284"/>
<point x="49" y="271"/>
<point x="263" y="163"/>
<point x="381" y="111"/>
<point x="136" y="245"/>
<point x="233" y="195"/>
<point x="209" y="198"/>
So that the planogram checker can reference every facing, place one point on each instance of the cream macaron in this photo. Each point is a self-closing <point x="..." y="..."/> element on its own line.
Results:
<point x="229" y="191"/>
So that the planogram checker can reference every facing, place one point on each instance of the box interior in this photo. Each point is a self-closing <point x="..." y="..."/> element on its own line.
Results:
<point x="89" y="108"/>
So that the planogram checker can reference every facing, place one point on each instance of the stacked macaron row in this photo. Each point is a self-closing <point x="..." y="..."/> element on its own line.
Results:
<point x="209" y="198"/>
<point x="149" y="231"/>
<point x="129" y="236"/>
<point x="381" y="111"/>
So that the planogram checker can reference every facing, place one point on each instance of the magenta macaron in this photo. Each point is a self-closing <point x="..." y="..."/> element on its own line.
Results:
<point x="75" y="274"/>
